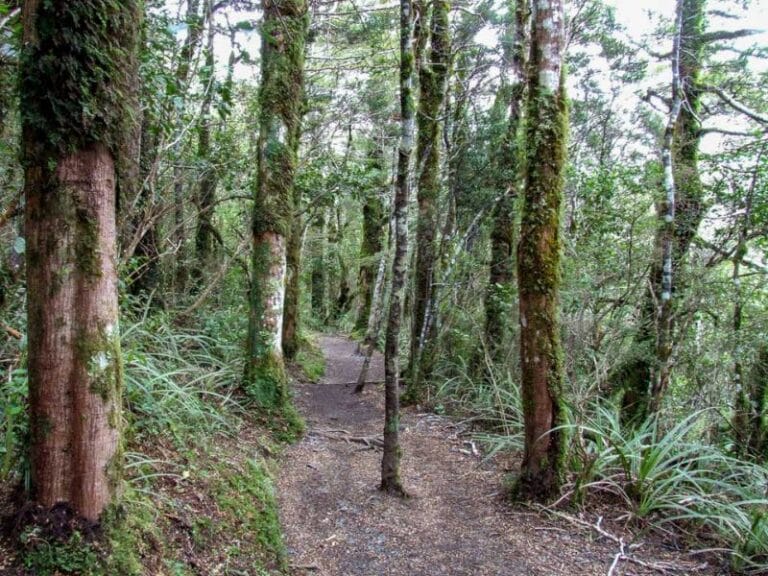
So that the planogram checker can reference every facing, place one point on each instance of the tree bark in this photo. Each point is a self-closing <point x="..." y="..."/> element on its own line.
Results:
<point x="498" y="298"/>
<point x="645" y="376"/>
<point x="432" y="83"/>
<point x="390" y="461"/>
<point x="75" y="370"/>
<point x="538" y="261"/>
<point x="206" y="194"/>
<point x="282" y="89"/>
<point x="373" y="239"/>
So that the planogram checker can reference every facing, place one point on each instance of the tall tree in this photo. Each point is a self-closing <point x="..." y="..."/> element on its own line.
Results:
<point x="501" y="278"/>
<point x="645" y="377"/>
<point x="390" y="460"/>
<point x="76" y="69"/>
<point x="538" y="258"/>
<point x="284" y="32"/>
<point x="373" y="235"/>
<point x="206" y="193"/>
<point x="432" y="88"/>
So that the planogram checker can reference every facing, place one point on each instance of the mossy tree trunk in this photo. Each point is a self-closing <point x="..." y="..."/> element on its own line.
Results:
<point x="292" y="284"/>
<point x="284" y="33"/>
<point x="432" y="85"/>
<point x="75" y="71"/>
<point x="538" y="261"/>
<point x="498" y="298"/>
<point x="206" y="193"/>
<point x="373" y="238"/>
<point x="390" y="460"/>
<point x="644" y="377"/>
<point x="144" y="243"/>
<point x="319" y="275"/>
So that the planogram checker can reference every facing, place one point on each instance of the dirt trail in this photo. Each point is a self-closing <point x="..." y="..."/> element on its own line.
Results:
<point x="337" y="523"/>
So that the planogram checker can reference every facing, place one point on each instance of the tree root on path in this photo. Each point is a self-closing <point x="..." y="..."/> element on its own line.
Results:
<point x="370" y="442"/>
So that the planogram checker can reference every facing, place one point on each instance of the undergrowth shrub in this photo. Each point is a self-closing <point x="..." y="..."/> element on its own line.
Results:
<point x="668" y="478"/>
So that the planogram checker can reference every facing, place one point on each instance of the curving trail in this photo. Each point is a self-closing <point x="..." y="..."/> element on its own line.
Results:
<point x="336" y="523"/>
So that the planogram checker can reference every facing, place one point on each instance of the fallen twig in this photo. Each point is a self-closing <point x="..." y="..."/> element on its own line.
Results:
<point x="368" y="441"/>
<point x="625" y="551"/>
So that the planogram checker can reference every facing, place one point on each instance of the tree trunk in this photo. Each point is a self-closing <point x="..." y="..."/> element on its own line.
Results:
<point x="498" y="298"/>
<point x="75" y="371"/>
<point x="432" y="83"/>
<point x="282" y="89"/>
<point x="206" y="195"/>
<point x="292" y="285"/>
<point x="390" y="461"/>
<point x="373" y="239"/>
<point x="645" y="377"/>
<point x="538" y="261"/>
<point x="319" y="276"/>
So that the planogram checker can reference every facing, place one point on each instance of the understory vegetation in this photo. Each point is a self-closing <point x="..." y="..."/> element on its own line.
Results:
<point x="550" y="217"/>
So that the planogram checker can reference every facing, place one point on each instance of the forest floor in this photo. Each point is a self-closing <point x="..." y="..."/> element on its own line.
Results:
<point x="336" y="522"/>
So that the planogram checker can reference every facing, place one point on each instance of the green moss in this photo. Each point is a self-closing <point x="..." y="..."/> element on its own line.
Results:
<point x="74" y="87"/>
<point x="87" y="242"/>
<point x="249" y="495"/>
<point x="72" y="555"/>
<point x="311" y="360"/>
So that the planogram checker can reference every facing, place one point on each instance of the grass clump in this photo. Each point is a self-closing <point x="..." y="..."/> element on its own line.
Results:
<point x="667" y="478"/>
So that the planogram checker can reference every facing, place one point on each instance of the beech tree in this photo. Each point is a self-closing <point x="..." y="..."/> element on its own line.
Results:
<point x="538" y="258"/>
<point x="390" y="460"/>
<point x="284" y="33"/>
<point x="75" y="68"/>
<point x="433" y="74"/>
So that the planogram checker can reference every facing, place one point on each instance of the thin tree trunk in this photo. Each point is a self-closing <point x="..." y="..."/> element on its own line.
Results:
<point x="75" y="371"/>
<point x="282" y="89"/>
<point x="206" y="195"/>
<point x="319" y="276"/>
<point x="390" y="461"/>
<point x="538" y="262"/>
<point x="432" y="84"/>
<point x="645" y="376"/>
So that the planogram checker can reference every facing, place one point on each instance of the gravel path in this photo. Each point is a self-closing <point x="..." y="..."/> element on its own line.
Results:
<point x="337" y="523"/>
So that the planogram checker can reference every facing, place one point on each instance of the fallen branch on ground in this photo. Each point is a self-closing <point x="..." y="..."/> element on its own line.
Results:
<point x="368" y="441"/>
<point x="625" y="550"/>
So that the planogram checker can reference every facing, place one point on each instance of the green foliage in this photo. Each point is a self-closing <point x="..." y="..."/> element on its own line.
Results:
<point x="49" y="558"/>
<point x="178" y="382"/>
<point x="310" y="359"/>
<point x="74" y="85"/>
<point x="669" y="478"/>
<point x="14" y="422"/>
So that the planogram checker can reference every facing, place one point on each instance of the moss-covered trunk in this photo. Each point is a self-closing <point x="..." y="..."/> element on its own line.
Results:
<point x="206" y="192"/>
<point x="373" y="238"/>
<point x="319" y="274"/>
<point x="284" y="33"/>
<point x="645" y="375"/>
<point x="538" y="259"/>
<point x="293" y="286"/>
<point x="432" y="84"/>
<point x="498" y="298"/>
<point x="145" y="275"/>
<point x="390" y="460"/>
<point x="76" y="66"/>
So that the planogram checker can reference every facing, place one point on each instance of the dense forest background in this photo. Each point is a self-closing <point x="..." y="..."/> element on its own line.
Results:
<point x="552" y="225"/>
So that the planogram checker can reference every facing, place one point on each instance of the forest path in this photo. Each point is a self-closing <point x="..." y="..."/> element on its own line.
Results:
<point x="337" y="523"/>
